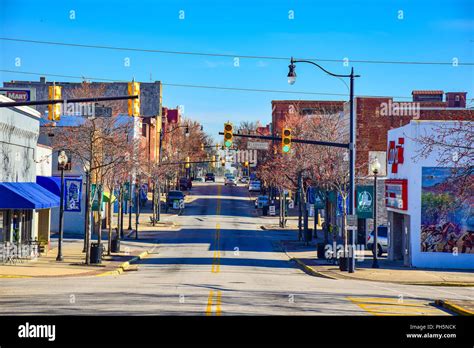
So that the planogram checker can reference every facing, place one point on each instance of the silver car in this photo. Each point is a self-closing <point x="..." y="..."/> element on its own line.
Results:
<point x="382" y="241"/>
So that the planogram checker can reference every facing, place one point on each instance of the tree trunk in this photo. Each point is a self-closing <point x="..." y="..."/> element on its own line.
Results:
<point x="109" y="244"/>
<point x="99" y="214"/>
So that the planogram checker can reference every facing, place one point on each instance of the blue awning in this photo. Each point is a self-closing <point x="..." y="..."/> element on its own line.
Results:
<point x="50" y="183"/>
<point x="26" y="195"/>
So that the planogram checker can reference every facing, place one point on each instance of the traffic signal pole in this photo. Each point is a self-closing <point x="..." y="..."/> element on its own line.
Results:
<point x="72" y="100"/>
<point x="293" y="140"/>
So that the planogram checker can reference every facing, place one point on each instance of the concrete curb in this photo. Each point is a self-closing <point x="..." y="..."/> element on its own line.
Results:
<point x="124" y="266"/>
<point x="454" y="308"/>
<point x="311" y="271"/>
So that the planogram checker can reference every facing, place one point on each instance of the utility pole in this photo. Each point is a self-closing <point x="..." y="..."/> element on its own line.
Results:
<point x="300" y="208"/>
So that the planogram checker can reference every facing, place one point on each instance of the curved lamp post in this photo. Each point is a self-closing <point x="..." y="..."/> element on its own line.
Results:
<point x="375" y="167"/>
<point x="62" y="161"/>
<point x="351" y="76"/>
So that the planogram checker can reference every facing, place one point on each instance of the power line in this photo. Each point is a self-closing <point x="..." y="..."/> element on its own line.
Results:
<point x="82" y="77"/>
<point x="206" y="54"/>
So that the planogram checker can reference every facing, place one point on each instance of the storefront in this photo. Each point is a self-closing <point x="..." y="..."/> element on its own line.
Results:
<point x="430" y="213"/>
<point x="24" y="212"/>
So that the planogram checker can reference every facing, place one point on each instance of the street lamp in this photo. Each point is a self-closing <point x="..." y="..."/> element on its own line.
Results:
<point x="62" y="161"/>
<point x="87" y="219"/>
<point x="375" y="167"/>
<point x="351" y="76"/>
<point x="291" y="73"/>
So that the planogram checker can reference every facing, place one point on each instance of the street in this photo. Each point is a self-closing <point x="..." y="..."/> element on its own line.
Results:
<point x="219" y="262"/>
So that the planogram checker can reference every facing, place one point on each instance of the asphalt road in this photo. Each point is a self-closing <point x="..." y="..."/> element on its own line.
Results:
<point x="219" y="263"/>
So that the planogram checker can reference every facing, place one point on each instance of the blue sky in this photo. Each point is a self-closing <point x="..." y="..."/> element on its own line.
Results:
<point x="359" y="30"/>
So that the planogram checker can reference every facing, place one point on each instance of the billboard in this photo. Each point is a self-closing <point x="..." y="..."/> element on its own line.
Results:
<point x="447" y="207"/>
<point x="18" y="94"/>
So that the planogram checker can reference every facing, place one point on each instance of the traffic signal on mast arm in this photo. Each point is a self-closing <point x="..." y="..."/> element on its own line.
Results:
<point x="54" y="110"/>
<point x="286" y="140"/>
<point x="228" y="136"/>
<point x="246" y="164"/>
<point x="223" y="162"/>
<point x="213" y="161"/>
<point x="134" y="104"/>
<point x="187" y="162"/>
<point x="202" y="146"/>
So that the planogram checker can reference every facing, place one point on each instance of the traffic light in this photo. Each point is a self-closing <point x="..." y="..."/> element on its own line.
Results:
<point x="223" y="162"/>
<point x="187" y="162"/>
<point x="286" y="140"/>
<point x="134" y="104"/>
<point x="217" y="147"/>
<point x="54" y="110"/>
<point x="202" y="147"/>
<point x="246" y="164"/>
<point x="228" y="136"/>
<point x="213" y="161"/>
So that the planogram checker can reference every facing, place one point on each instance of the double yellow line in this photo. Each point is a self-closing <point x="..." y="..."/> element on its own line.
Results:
<point x="214" y="296"/>
<point x="216" y="262"/>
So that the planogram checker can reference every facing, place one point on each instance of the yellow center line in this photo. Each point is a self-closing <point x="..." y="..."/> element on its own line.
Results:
<point x="216" y="262"/>
<point x="214" y="297"/>
<point x="218" y="306"/>
<point x="209" y="303"/>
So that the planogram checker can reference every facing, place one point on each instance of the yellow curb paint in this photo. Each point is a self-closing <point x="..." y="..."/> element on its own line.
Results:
<point x="455" y="308"/>
<point x="385" y="306"/>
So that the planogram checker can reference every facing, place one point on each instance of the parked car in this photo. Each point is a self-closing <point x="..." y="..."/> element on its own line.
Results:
<point x="382" y="240"/>
<point x="230" y="181"/>
<point x="198" y="179"/>
<point x="210" y="177"/>
<point x="244" y="179"/>
<point x="262" y="201"/>
<point x="185" y="184"/>
<point x="173" y="196"/>
<point x="255" y="186"/>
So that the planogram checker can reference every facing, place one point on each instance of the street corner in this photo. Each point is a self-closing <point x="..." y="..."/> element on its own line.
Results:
<point x="460" y="307"/>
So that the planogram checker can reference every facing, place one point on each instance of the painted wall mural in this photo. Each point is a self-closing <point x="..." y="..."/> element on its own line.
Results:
<point x="447" y="207"/>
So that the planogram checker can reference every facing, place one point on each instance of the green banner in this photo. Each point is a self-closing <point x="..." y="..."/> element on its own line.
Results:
<point x="365" y="201"/>
<point x="95" y="196"/>
<point x="126" y="191"/>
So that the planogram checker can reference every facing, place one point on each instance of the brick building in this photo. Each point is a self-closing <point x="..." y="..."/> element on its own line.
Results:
<point x="281" y="109"/>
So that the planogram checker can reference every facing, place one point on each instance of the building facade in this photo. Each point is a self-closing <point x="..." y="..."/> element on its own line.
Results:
<point x="24" y="205"/>
<point x="430" y="206"/>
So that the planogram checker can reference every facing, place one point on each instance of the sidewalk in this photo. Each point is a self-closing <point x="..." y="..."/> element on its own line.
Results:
<point x="389" y="271"/>
<point x="73" y="264"/>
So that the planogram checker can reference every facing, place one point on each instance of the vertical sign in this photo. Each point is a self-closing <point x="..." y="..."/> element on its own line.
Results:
<point x="365" y="201"/>
<point x="72" y="194"/>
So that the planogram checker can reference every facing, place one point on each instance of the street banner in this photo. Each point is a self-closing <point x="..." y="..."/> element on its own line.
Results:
<point x="72" y="194"/>
<point x="126" y="191"/>
<point x="339" y="205"/>
<point x="365" y="201"/>
<point x="316" y="197"/>
<point x="95" y="195"/>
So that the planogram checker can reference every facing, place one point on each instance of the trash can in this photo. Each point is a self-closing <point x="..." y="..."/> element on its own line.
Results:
<point x="115" y="246"/>
<point x="321" y="251"/>
<point x="308" y="235"/>
<point x="96" y="253"/>
<point x="343" y="264"/>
